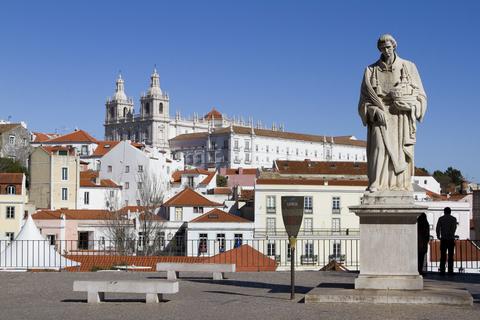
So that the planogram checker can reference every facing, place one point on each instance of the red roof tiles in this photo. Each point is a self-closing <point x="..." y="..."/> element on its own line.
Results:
<point x="103" y="147"/>
<point x="177" y="175"/>
<point x="217" y="215"/>
<point x="318" y="182"/>
<point x="189" y="198"/>
<point x="77" y="136"/>
<point x="72" y="214"/>
<point x="321" y="167"/>
<point x="214" y="114"/>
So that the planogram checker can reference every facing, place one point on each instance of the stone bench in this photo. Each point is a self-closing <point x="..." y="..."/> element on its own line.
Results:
<point x="216" y="269"/>
<point x="152" y="288"/>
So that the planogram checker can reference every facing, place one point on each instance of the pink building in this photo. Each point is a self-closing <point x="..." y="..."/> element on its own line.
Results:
<point x="240" y="177"/>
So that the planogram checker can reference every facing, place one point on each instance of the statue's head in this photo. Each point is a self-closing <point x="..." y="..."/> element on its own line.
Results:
<point x="387" y="45"/>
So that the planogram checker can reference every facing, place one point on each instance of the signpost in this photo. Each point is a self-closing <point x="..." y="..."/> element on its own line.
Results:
<point x="292" y="213"/>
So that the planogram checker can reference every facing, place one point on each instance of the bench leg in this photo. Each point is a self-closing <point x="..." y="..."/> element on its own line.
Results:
<point x="95" y="297"/>
<point x="171" y="275"/>
<point x="218" y="276"/>
<point x="153" y="297"/>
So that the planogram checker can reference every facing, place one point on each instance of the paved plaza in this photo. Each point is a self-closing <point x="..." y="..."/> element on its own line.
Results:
<point x="49" y="295"/>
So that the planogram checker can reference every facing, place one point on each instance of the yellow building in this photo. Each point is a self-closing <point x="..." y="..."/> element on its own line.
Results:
<point x="13" y="199"/>
<point x="54" y="177"/>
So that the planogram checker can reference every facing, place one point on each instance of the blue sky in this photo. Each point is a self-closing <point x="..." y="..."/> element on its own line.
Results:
<point x="294" y="62"/>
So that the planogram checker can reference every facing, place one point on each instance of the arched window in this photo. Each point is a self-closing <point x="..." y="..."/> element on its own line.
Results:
<point x="112" y="112"/>
<point x="160" y="108"/>
<point x="147" y="108"/>
<point x="11" y="189"/>
<point x="125" y="112"/>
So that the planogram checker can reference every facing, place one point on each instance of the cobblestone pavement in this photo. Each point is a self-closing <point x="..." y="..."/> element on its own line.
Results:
<point x="256" y="296"/>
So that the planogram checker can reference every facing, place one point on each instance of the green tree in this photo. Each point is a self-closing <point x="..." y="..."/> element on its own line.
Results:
<point x="11" y="166"/>
<point x="221" y="181"/>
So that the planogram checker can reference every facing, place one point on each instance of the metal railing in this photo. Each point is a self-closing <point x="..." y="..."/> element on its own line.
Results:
<point x="308" y="232"/>
<point x="247" y="254"/>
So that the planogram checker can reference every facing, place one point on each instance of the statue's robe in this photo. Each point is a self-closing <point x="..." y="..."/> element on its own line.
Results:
<point x="390" y="147"/>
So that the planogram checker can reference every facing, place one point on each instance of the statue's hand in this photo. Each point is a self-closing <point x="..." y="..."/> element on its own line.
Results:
<point x="380" y="117"/>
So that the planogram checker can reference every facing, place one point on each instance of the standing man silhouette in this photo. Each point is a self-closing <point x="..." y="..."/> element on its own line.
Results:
<point x="446" y="227"/>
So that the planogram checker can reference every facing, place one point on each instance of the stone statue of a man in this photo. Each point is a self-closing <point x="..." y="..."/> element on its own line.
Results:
<point x="392" y="99"/>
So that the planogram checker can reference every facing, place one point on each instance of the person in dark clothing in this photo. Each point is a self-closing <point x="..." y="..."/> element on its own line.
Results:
<point x="446" y="227"/>
<point x="423" y="237"/>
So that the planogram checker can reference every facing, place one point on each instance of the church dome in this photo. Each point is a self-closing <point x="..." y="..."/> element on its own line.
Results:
<point x="154" y="89"/>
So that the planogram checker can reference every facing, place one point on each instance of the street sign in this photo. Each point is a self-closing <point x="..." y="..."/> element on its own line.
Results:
<point x="292" y="213"/>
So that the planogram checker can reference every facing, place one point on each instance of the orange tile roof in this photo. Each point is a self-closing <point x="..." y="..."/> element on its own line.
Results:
<point x="246" y="171"/>
<point x="245" y="258"/>
<point x="217" y="215"/>
<point x="420" y="172"/>
<point x="321" y="167"/>
<point x="222" y="190"/>
<point x="319" y="182"/>
<point x="88" y="179"/>
<point x="246" y="194"/>
<point x="189" y="198"/>
<point x="177" y="175"/>
<point x="11" y="178"/>
<point x="214" y="114"/>
<point x="52" y="149"/>
<point x="72" y="214"/>
<point x="80" y="136"/>
<point x="42" y="137"/>
<point x="103" y="147"/>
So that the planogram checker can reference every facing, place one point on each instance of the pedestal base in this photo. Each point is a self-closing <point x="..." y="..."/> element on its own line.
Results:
<point x="384" y="282"/>
<point x="388" y="241"/>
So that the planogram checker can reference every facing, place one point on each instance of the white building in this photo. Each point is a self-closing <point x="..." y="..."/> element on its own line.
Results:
<point x="133" y="168"/>
<point x="96" y="193"/>
<point x="250" y="147"/>
<point x="217" y="231"/>
<point x="197" y="179"/>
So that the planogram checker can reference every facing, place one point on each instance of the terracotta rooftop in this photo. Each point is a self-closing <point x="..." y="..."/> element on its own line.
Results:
<point x="103" y="147"/>
<point x="222" y="190"/>
<point x="217" y="215"/>
<point x="11" y="178"/>
<point x="213" y="114"/>
<point x="42" y="137"/>
<point x="72" y="214"/>
<point x="177" y="175"/>
<point x="189" y="198"/>
<point x="246" y="171"/>
<point x="319" y="182"/>
<point x="88" y="180"/>
<point x="420" y="172"/>
<point x="247" y="194"/>
<point x="5" y="127"/>
<point x="52" y="149"/>
<point x="321" y="167"/>
<point x="77" y="136"/>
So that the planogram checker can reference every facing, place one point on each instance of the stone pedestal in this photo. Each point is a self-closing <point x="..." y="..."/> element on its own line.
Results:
<point x="388" y="241"/>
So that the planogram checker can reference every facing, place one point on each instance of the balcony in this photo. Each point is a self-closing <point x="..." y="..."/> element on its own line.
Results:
<point x="335" y="210"/>
<point x="307" y="233"/>
<point x="308" y="259"/>
<point x="337" y="257"/>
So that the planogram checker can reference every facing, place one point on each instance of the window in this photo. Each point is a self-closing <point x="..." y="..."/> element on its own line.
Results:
<point x="10" y="212"/>
<point x="247" y="145"/>
<point x="336" y="205"/>
<point x="288" y="150"/>
<point x="335" y="224"/>
<point x="127" y="169"/>
<point x="271" y="225"/>
<point x="235" y="144"/>
<point x="84" y="151"/>
<point x="64" y="193"/>
<point x="11" y="189"/>
<point x="309" y="249"/>
<point x="160" y="108"/>
<point x="271" y="205"/>
<point x="64" y="174"/>
<point x="238" y="239"/>
<point x="138" y="202"/>
<point x="306" y="152"/>
<point x="221" y="242"/>
<point x="140" y="168"/>
<point x="308" y="225"/>
<point x="424" y="181"/>
<point x="197" y="209"/>
<point x="278" y="149"/>
<point x="178" y="214"/>
<point x="296" y="151"/>
<point x="337" y="249"/>
<point x="62" y="152"/>
<point x="139" y="185"/>
<point x="316" y="154"/>
<point x="109" y="168"/>
<point x="11" y="139"/>
<point x="112" y="194"/>
<point x="86" y="197"/>
<point x="10" y="235"/>
<point x="271" y="249"/>
<point x="190" y="182"/>
<point x="202" y="243"/>
<point x="51" y="239"/>
<point x="308" y="204"/>
<point x="256" y="147"/>
<point x="141" y="239"/>
<point x="127" y="185"/>
<point x="247" y="157"/>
